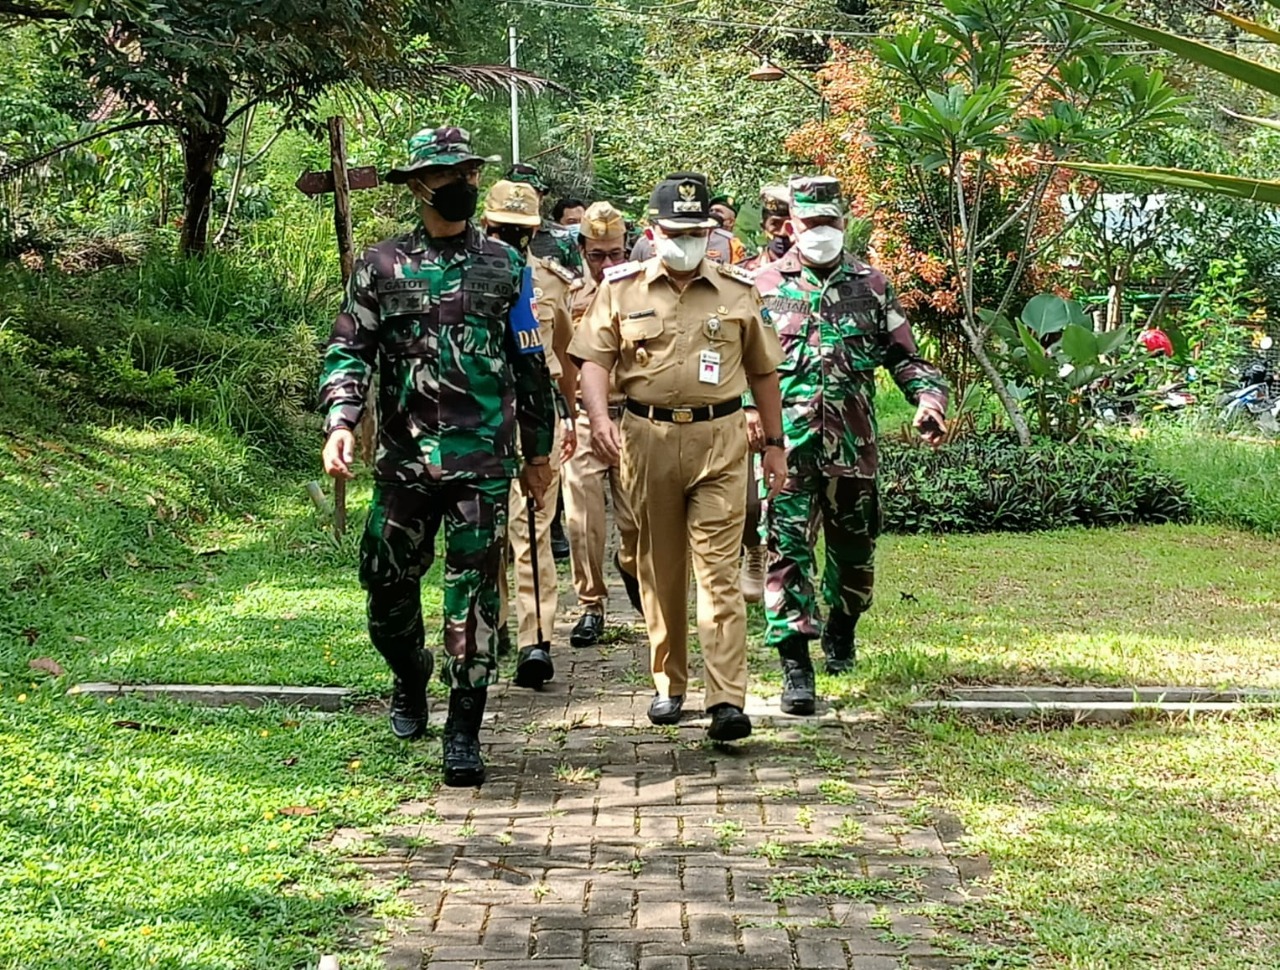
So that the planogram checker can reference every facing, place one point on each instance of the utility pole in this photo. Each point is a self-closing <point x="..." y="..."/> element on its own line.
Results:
<point x="512" y="46"/>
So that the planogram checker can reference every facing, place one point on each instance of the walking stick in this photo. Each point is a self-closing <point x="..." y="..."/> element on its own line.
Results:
<point x="534" y="668"/>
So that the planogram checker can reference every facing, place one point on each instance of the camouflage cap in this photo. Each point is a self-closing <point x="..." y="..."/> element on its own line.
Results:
<point x="512" y="203"/>
<point x="435" y="148"/>
<point x="815" y="195"/>
<point x="527" y="174"/>
<point x="775" y="200"/>
<point x="601" y="221"/>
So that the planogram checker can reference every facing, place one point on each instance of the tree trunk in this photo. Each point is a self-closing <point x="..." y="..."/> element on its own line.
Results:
<point x="1011" y="407"/>
<point x="202" y="146"/>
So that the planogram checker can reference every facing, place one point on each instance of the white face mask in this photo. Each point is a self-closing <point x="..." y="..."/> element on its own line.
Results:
<point x="821" y="245"/>
<point x="681" y="253"/>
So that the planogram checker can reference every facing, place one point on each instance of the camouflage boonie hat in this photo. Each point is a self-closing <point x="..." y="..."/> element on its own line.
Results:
<point x="815" y="195"/>
<point x="512" y="203"/>
<point x="527" y="174"/>
<point x="435" y="148"/>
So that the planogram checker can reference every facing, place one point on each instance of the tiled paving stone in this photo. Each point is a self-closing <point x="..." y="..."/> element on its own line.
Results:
<point x="601" y="842"/>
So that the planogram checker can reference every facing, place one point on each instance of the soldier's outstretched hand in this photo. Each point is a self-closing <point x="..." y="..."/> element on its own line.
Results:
<point x="534" y="481"/>
<point x="931" y="422"/>
<point x="339" y="452"/>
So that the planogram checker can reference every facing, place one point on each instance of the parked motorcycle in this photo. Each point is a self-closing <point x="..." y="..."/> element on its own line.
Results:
<point x="1257" y="400"/>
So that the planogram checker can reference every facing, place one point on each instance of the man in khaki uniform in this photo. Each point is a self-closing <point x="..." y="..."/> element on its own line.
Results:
<point x="603" y="243"/>
<point x="511" y="215"/>
<point x="687" y="338"/>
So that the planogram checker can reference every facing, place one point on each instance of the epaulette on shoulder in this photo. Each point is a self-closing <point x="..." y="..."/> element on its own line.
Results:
<point x="736" y="273"/>
<point x="558" y="268"/>
<point x="623" y="270"/>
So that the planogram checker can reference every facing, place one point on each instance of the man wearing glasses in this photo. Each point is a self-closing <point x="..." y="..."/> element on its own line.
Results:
<point x="603" y="243"/>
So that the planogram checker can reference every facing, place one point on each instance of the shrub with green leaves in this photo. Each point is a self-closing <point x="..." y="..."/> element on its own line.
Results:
<point x="993" y="484"/>
<point x="1057" y="359"/>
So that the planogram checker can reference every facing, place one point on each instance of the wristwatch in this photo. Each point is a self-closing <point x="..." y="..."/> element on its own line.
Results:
<point x="775" y="442"/>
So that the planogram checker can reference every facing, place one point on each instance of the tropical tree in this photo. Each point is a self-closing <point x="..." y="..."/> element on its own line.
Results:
<point x="196" y="67"/>
<point x="993" y="97"/>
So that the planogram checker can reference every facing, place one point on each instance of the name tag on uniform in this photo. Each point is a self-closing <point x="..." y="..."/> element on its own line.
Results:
<point x="709" y="367"/>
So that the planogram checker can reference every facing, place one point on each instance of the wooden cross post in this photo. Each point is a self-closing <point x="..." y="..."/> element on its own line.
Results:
<point x="341" y="181"/>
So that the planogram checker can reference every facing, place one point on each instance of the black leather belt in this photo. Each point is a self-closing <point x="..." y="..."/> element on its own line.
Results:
<point x="685" y="415"/>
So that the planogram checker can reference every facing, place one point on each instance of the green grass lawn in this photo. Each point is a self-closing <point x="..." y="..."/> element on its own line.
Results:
<point x="170" y="555"/>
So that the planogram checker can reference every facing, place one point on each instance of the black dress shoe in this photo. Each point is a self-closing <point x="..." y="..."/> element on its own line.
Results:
<point x="535" y="667"/>
<point x="630" y="584"/>
<point x="666" y="710"/>
<point x="728" y="723"/>
<point x="586" y="632"/>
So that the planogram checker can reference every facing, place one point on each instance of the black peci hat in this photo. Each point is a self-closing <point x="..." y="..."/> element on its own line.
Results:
<point x="681" y="201"/>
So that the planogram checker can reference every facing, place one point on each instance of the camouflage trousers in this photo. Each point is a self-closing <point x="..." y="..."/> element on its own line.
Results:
<point x="848" y="510"/>
<point x="398" y="548"/>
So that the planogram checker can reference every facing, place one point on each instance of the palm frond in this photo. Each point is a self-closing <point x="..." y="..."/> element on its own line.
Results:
<point x="486" y="78"/>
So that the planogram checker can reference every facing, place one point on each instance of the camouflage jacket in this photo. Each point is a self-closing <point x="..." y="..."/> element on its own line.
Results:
<point x="835" y="332"/>
<point x="554" y="241"/>
<point x="451" y="380"/>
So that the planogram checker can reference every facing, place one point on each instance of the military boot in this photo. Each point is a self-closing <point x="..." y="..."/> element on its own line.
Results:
<point x="799" y="694"/>
<point x="838" y="642"/>
<point x="463" y="765"/>
<point x="409" y="694"/>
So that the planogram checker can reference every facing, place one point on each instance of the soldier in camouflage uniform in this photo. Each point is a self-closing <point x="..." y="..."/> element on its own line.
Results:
<point x="437" y="313"/>
<point x="551" y="241"/>
<point x="837" y="320"/>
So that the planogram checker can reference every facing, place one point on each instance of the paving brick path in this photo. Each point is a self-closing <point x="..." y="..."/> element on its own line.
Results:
<point x="602" y="842"/>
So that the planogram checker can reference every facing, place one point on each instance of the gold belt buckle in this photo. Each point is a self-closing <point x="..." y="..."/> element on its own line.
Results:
<point x="682" y="415"/>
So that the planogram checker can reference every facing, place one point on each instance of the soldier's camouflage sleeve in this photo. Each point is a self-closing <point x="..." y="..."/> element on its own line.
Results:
<point x="535" y="394"/>
<point x="911" y="372"/>
<point x="352" y="352"/>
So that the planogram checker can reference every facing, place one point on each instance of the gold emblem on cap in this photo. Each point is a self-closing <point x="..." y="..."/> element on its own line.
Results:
<point x="688" y="190"/>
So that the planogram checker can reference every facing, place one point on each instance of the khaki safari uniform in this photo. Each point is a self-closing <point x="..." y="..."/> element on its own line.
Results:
<point x="682" y="356"/>
<point x="553" y="288"/>
<point x="585" y="477"/>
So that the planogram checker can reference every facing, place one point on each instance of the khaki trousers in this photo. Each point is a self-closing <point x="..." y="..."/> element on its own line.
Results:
<point x="687" y="484"/>
<point x="585" y="476"/>
<point x="522" y="558"/>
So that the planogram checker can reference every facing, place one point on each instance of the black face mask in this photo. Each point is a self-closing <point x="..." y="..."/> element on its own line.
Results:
<point x="779" y="245"/>
<point x="517" y="237"/>
<point x="456" y="202"/>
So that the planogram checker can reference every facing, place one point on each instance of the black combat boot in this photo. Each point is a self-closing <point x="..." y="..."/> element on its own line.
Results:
<point x="799" y="695"/>
<point x="409" y="694"/>
<point x="838" y="642"/>
<point x="463" y="765"/>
